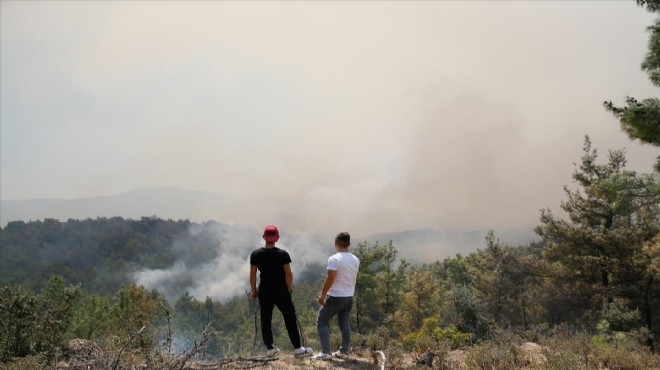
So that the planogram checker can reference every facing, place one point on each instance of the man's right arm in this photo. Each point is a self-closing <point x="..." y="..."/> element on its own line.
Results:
<point x="329" y="280"/>
<point x="253" y="282"/>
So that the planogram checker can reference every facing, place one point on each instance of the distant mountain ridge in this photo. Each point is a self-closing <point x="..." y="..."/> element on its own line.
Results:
<point x="163" y="202"/>
<point x="425" y="244"/>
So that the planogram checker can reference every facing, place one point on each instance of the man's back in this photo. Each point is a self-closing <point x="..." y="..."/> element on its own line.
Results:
<point x="347" y="267"/>
<point x="270" y="263"/>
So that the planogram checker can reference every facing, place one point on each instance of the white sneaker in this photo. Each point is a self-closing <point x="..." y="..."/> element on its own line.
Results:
<point x="272" y="352"/>
<point x="302" y="351"/>
<point x="322" y="356"/>
<point x="339" y="354"/>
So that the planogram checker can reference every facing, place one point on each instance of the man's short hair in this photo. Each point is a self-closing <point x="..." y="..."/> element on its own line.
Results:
<point x="343" y="239"/>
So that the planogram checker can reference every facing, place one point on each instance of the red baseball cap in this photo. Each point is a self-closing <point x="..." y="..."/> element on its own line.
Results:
<point x="271" y="234"/>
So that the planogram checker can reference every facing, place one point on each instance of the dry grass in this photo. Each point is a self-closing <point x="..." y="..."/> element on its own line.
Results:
<point x="559" y="351"/>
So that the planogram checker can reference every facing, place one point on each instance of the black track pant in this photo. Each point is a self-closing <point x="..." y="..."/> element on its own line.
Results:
<point x="285" y="305"/>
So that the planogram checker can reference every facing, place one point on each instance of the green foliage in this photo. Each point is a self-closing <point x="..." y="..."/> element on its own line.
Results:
<point x="651" y="5"/>
<point x="419" y="299"/>
<point x="432" y="333"/>
<point x="600" y="250"/>
<point x="92" y="318"/>
<point x="619" y="317"/>
<point x="133" y="310"/>
<point x="33" y="324"/>
<point x="504" y="284"/>
<point x="378" y="284"/>
<point x="456" y="270"/>
<point x="651" y="63"/>
<point x="641" y="119"/>
<point x="55" y="308"/>
<point x="18" y="316"/>
<point x="465" y="314"/>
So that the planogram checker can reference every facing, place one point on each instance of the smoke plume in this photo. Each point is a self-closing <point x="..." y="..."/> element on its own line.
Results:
<point x="212" y="260"/>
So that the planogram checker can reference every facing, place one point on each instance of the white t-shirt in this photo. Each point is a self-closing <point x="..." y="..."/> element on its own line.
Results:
<point x="347" y="266"/>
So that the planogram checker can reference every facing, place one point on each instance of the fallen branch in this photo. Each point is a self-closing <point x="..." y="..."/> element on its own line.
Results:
<point x="123" y="348"/>
<point x="234" y="363"/>
<point x="181" y="360"/>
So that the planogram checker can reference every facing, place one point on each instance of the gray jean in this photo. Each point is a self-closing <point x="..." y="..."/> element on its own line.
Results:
<point x="340" y="307"/>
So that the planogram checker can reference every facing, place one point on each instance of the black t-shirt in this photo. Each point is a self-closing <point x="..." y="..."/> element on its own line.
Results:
<point x="270" y="262"/>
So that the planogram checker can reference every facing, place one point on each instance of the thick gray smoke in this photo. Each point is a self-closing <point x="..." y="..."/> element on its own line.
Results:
<point x="431" y="114"/>
<point x="212" y="260"/>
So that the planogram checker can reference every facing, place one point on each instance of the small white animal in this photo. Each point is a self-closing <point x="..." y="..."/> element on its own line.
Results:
<point x="379" y="359"/>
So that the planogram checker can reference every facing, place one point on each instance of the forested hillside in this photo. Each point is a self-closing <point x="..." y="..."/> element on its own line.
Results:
<point x="100" y="254"/>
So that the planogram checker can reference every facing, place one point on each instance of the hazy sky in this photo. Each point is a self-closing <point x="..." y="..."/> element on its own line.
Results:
<point x="380" y="116"/>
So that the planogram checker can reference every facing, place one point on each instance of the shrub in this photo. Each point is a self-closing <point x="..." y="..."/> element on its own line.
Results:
<point x="378" y="339"/>
<point x="501" y="352"/>
<point x="618" y="317"/>
<point x="624" y="353"/>
<point x="567" y="348"/>
<point x="431" y="335"/>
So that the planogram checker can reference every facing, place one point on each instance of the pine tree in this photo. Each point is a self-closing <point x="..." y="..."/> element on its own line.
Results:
<point x="610" y="218"/>
<point x="641" y="119"/>
<point x="419" y="301"/>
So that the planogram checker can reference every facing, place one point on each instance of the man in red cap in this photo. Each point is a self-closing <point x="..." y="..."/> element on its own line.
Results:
<point x="275" y="286"/>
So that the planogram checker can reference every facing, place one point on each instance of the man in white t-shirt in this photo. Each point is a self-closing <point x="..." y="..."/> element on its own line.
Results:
<point x="337" y="297"/>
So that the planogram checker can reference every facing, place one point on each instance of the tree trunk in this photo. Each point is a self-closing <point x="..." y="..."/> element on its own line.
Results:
<point x="648" y="313"/>
<point x="358" y="310"/>
<point x="605" y="281"/>
<point x="524" y="310"/>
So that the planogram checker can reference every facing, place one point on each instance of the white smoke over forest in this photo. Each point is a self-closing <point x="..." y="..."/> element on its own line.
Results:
<point x="212" y="260"/>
